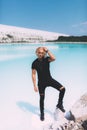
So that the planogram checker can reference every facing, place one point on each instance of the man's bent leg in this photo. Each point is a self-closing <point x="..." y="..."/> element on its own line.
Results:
<point x="55" y="84"/>
<point x="42" y="106"/>
<point x="60" y="101"/>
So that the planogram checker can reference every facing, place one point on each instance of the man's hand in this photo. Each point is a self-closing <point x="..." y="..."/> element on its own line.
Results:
<point x="36" y="89"/>
<point x="51" y="56"/>
<point x="45" y="49"/>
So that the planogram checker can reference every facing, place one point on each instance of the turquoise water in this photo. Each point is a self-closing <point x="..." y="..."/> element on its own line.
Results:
<point x="70" y="69"/>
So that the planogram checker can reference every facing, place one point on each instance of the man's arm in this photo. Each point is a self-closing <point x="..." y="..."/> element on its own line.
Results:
<point x="51" y="56"/>
<point x="34" y="80"/>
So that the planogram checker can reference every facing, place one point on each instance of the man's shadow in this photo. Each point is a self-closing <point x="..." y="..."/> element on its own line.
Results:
<point x="26" y="106"/>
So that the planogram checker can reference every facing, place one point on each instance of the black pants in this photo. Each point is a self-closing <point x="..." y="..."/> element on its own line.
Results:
<point x="53" y="83"/>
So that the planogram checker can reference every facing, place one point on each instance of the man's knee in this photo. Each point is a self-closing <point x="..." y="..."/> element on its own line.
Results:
<point x="62" y="89"/>
<point x="42" y="96"/>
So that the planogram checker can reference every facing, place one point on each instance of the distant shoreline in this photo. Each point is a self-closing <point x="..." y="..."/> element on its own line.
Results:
<point x="13" y="34"/>
<point x="43" y="42"/>
<point x="69" y="42"/>
<point x="71" y="39"/>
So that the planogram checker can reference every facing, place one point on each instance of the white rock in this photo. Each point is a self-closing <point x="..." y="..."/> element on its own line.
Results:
<point x="18" y="34"/>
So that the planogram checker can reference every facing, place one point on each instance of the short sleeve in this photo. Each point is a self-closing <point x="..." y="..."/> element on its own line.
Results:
<point x="47" y="58"/>
<point x="33" y="66"/>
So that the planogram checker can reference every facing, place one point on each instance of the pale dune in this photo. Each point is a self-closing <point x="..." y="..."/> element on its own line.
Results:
<point x="18" y="34"/>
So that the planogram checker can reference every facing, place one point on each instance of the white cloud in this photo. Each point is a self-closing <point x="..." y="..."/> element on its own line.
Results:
<point x="80" y="24"/>
<point x="84" y="23"/>
<point x="81" y="27"/>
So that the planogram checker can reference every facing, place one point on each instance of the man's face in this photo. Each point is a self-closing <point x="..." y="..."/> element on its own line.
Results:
<point x="40" y="53"/>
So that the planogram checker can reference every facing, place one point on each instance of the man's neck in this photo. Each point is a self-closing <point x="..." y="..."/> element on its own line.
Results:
<point x="40" y="59"/>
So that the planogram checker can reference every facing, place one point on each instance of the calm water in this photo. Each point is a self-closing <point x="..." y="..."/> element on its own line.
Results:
<point x="70" y="69"/>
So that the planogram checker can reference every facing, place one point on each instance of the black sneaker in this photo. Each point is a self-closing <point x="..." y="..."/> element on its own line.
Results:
<point x="42" y="117"/>
<point x="60" y="107"/>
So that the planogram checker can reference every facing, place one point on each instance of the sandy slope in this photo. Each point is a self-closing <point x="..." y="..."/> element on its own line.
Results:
<point x="18" y="34"/>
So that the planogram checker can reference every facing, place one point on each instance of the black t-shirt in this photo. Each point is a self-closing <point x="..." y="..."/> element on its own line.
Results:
<point x="43" y="68"/>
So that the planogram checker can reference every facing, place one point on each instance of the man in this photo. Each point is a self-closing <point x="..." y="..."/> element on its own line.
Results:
<point x="42" y="66"/>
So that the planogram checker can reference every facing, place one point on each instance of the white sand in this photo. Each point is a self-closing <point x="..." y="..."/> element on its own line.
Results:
<point x="25" y="34"/>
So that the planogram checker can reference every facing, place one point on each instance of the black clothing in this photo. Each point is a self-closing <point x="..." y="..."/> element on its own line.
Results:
<point x="44" y="80"/>
<point x="44" y="77"/>
<point x="42" y="116"/>
<point x="42" y="67"/>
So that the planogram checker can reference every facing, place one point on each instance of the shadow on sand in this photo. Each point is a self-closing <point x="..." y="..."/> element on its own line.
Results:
<point x="26" y="106"/>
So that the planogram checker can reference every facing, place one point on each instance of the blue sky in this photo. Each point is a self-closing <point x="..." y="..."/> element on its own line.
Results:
<point x="62" y="16"/>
